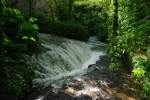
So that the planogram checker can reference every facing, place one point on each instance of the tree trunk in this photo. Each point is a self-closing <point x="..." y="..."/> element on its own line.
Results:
<point x="1" y="11"/>
<point x="0" y="6"/>
<point x="14" y="3"/>
<point x="30" y="7"/>
<point x="70" y="9"/>
<point x="115" y="19"/>
<point x="52" y="13"/>
<point x="56" y="4"/>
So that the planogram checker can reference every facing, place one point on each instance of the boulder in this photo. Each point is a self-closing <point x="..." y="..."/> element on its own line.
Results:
<point x="93" y="67"/>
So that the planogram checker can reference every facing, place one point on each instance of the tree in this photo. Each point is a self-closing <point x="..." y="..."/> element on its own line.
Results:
<point x="50" y="4"/>
<point x="14" y="3"/>
<point x="1" y="10"/>
<point x="0" y="6"/>
<point x="115" y="18"/>
<point x="70" y="9"/>
<point x="30" y="6"/>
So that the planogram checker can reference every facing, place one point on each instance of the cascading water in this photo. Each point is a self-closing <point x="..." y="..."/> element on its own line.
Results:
<point x="57" y="58"/>
<point x="61" y="57"/>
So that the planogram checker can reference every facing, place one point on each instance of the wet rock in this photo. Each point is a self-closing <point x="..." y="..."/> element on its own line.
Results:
<point x="104" y="61"/>
<point x="79" y="79"/>
<point x="123" y="96"/>
<point x="70" y="90"/>
<point x="65" y="96"/>
<point x="93" y="67"/>
<point x="85" y="97"/>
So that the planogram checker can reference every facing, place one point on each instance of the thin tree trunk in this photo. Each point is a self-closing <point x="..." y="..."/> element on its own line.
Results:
<point x="52" y="13"/>
<point x="56" y="4"/>
<point x="49" y="4"/>
<point x="14" y="3"/>
<point x="0" y="6"/>
<point x="1" y="11"/>
<point x="58" y="7"/>
<point x="70" y="9"/>
<point x="115" y="19"/>
<point x="30" y="7"/>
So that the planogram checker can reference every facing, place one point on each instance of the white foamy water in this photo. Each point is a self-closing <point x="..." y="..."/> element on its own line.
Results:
<point x="62" y="57"/>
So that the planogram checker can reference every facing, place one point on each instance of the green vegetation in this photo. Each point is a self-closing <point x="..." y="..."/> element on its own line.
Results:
<point x="132" y="41"/>
<point x="123" y="24"/>
<point x="16" y="30"/>
<point x="74" y="20"/>
<point x="94" y="17"/>
<point x="17" y="35"/>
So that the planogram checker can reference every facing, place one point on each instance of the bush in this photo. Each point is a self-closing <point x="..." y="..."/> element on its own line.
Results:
<point x="68" y="29"/>
<point x="71" y="30"/>
<point x="16" y="77"/>
<point x="16" y="30"/>
<point x="42" y="21"/>
<point x="94" y="18"/>
<point x="28" y="32"/>
<point x="141" y="72"/>
<point x="12" y="19"/>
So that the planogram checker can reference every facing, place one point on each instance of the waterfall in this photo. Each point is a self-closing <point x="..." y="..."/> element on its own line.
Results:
<point x="60" y="57"/>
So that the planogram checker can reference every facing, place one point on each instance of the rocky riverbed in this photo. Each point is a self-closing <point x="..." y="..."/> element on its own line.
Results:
<point x="98" y="84"/>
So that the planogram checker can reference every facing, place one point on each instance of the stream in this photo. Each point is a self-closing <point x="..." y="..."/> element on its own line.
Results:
<point x="74" y="70"/>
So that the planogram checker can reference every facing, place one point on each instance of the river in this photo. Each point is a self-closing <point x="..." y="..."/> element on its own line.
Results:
<point x="74" y="70"/>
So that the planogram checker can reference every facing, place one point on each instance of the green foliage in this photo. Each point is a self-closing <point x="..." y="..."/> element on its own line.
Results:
<point x="42" y="21"/>
<point x="133" y="35"/>
<point x="4" y="3"/>
<point x="62" y="10"/>
<point x="16" y="77"/>
<point x="28" y="32"/>
<point x="12" y="19"/>
<point x="15" y="34"/>
<point x="126" y="43"/>
<point x="69" y="29"/>
<point x="91" y="15"/>
<point x="141" y="74"/>
<point x="145" y="88"/>
<point x="15" y="27"/>
<point x="138" y="72"/>
<point x="114" y="66"/>
<point x="94" y="18"/>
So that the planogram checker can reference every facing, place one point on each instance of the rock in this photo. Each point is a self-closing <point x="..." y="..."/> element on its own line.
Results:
<point x="64" y="96"/>
<point x="104" y="61"/>
<point x="78" y="79"/>
<point x="123" y="96"/>
<point x="85" y="97"/>
<point x="70" y="90"/>
<point x="93" y="67"/>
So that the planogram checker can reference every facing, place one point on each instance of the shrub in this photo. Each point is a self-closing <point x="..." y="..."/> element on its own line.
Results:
<point x="12" y="19"/>
<point x="94" y="18"/>
<point x="16" y="77"/>
<point x="71" y="30"/>
<point x="16" y="30"/>
<point x="67" y="29"/>
<point x="28" y="32"/>
<point x="42" y="21"/>
<point x="141" y="74"/>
